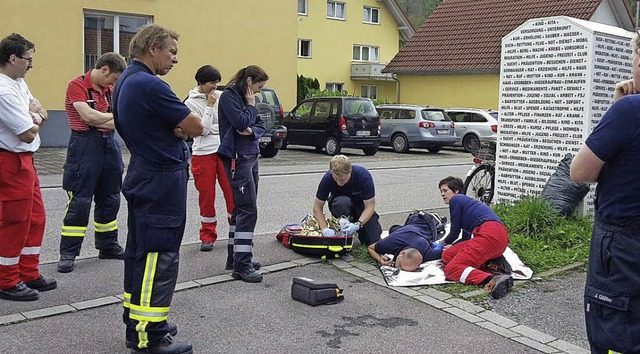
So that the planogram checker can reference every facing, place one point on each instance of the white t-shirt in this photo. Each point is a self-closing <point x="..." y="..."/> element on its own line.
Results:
<point x="14" y="115"/>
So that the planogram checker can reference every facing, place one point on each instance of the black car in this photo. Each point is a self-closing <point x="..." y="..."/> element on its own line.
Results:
<point x="274" y="134"/>
<point x="333" y="123"/>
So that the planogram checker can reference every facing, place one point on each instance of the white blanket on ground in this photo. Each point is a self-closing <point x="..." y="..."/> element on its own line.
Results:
<point x="431" y="273"/>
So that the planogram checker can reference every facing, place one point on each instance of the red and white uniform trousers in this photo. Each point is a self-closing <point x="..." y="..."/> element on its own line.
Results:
<point x="22" y="219"/>
<point x="464" y="260"/>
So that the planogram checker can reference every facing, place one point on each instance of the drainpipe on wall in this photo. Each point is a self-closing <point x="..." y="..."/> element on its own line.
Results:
<point x="394" y="76"/>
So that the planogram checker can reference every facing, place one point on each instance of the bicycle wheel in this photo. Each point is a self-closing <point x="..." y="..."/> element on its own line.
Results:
<point x="480" y="184"/>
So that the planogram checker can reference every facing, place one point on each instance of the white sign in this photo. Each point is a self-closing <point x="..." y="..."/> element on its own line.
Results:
<point x="557" y="78"/>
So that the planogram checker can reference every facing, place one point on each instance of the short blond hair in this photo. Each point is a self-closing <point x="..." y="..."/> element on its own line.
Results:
<point x="148" y="35"/>
<point x="340" y="165"/>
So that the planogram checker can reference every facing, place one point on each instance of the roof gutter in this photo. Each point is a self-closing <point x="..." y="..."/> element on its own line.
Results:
<point x="404" y="26"/>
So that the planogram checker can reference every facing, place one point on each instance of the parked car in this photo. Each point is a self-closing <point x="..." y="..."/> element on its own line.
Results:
<point x="411" y="126"/>
<point x="473" y="125"/>
<point x="274" y="133"/>
<point x="333" y="123"/>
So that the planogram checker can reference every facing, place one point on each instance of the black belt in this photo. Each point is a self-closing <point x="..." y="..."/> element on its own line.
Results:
<point x="5" y="150"/>
<point x="93" y="132"/>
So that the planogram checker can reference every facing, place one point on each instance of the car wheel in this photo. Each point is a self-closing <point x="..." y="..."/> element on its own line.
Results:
<point x="471" y="143"/>
<point x="268" y="151"/>
<point x="370" y="151"/>
<point x="434" y="149"/>
<point x="399" y="143"/>
<point x="332" y="146"/>
<point x="284" y="144"/>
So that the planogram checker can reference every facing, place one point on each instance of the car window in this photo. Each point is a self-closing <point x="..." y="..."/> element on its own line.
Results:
<point x="476" y="118"/>
<point x="268" y="97"/>
<point x="436" y="116"/>
<point x="334" y="108"/>
<point x="304" y="110"/>
<point x="407" y="114"/>
<point x="359" y="107"/>
<point x="387" y="114"/>
<point x="494" y="115"/>
<point x="322" y="109"/>
<point x="456" y="116"/>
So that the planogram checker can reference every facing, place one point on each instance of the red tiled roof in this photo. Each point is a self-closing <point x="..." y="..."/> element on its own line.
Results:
<point x="465" y="35"/>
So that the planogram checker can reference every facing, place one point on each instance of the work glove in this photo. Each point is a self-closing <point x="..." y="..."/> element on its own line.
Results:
<point x="352" y="229"/>
<point x="327" y="231"/>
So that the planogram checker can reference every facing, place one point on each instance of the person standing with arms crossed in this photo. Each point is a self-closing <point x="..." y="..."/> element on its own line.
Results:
<point x="240" y="130"/>
<point x="610" y="157"/>
<point x="153" y="122"/>
<point x="206" y="166"/>
<point x="22" y="213"/>
<point x="93" y="169"/>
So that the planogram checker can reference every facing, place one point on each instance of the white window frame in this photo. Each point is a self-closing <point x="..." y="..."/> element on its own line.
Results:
<point x="332" y="7"/>
<point x="306" y="7"/>
<point x="367" y="14"/>
<point x="373" y="53"/>
<point x="367" y="91"/>
<point x="116" y="33"/>
<point x="334" y="86"/>
<point x="300" y="48"/>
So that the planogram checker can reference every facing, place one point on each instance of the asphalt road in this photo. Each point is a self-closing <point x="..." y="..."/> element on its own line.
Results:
<point x="222" y="316"/>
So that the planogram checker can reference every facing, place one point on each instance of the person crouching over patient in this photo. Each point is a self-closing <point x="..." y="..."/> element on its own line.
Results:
<point x="464" y="259"/>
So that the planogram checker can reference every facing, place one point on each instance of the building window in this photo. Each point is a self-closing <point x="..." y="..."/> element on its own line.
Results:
<point x="304" y="48"/>
<point x="336" y="10"/>
<point x="302" y="7"/>
<point x="365" y="53"/>
<point x="370" y="91"/>
<point x="371" y="15"/>
<point x="109" y="33"/>
<point x="335" y="86"/>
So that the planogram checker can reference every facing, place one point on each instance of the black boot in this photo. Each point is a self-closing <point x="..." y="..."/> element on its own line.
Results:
<point x="167" y="345"/>
<point x="20" y="292"/>
<point x="43" y="284"/>
<point x="173" y="331"/>
<point x="65" y="264"/>
<point x="114" y="252"/>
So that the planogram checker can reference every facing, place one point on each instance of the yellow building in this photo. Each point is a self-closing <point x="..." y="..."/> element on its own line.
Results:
<point x="70" y="34"/>
<point x="346" y="44"/>
<point x="454" y="58"/>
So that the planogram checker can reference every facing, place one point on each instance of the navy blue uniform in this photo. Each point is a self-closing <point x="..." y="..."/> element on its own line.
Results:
<point x="612" y="292"/>
<point x="240" y="154"/>
<point x="93" y="170"/>
<point x="146" y="113"/>
<point x="348" y="200"/>
<point x="410" y="236"/>
<point x="466" y="214"/>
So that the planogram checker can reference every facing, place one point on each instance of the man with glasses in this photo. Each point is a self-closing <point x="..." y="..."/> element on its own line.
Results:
<point x="22" y="214"/>
<point x="93" y="169"/>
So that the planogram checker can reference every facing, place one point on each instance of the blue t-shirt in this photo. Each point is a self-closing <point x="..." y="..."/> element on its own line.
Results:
<point x="616" y="141"/>
<point x="409" y="236"/>
<point x="147" y="113"/>
<point x="467" y="214"/>
<point x="234" y="116"/>
<point x="359" y="188"/>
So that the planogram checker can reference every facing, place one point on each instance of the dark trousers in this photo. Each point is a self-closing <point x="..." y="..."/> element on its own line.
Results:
<point x="244" y="186"/>
<point x="93" y="170"/>
<point x="370" y="232"/>
<point x="156" y="198"/>
<point x="612" y="291"/>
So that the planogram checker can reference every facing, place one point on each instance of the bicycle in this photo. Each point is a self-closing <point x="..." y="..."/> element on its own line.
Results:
<point x="480" y="181"/>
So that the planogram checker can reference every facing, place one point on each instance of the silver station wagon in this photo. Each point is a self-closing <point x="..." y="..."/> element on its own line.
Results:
<point x="411" y="126"/>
